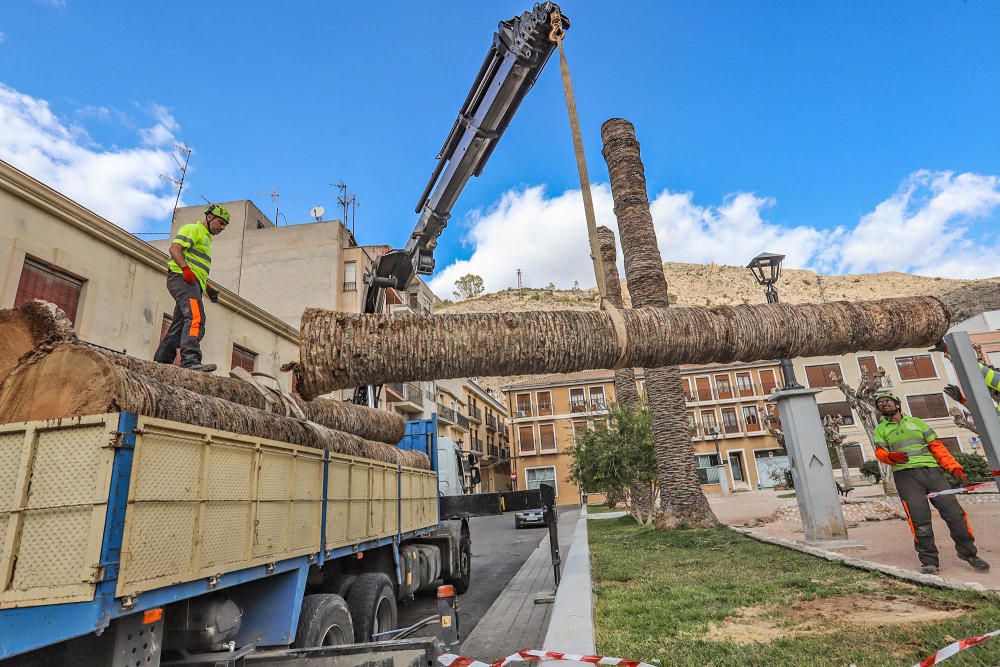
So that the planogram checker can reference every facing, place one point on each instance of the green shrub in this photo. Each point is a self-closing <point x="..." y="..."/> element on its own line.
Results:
<point x="976" y="468"/>
<point x="871" y="469"/>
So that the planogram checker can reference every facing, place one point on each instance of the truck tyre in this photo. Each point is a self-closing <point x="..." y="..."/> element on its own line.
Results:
<point x="373" y="606"/>
<point x="464" y="578"/>
<point x="325" y="620"/>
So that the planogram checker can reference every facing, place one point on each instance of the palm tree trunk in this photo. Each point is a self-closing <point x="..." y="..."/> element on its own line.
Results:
<point x="75" y="380"/>
<point x="39" y="325"/>
<point x="340" y="350"/>
<point x="682" y="502"/>
<point x="626" y="391"/>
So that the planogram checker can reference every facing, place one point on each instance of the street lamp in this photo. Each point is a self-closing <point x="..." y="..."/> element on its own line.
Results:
<point x="765" y="269"/>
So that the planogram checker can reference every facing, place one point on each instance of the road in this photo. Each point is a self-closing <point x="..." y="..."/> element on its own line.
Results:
<point x="498" y="552"/>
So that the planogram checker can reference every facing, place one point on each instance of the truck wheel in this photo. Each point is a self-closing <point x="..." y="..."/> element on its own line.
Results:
<point x="373" y="606"/>
<point x="325" y="620"/>
<point x="464" y="578"/>
<point x="339" y="584"/>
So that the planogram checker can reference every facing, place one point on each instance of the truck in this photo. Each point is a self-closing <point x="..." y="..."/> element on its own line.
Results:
<point x="131" y="540"/>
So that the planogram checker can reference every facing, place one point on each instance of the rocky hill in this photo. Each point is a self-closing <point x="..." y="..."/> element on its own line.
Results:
<point x="712" y="285"/>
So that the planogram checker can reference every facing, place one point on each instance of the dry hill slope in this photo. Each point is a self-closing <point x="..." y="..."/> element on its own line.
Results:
<point x="713" y="285"/>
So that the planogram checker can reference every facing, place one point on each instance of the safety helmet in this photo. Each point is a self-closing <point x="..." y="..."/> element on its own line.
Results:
<point x="218" y="211"/>
<point x="887" y="394"/>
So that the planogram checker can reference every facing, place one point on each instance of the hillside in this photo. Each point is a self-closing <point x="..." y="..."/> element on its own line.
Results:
<point x="711" y="285"/>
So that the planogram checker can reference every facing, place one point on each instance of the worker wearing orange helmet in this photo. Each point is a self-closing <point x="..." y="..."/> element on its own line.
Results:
<point x="187" y="279"/>
<point x="916" y="456"/>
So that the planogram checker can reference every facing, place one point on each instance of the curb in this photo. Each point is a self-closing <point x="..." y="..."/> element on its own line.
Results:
<point x="571" y="626"/>
<point x="899" y="573"/>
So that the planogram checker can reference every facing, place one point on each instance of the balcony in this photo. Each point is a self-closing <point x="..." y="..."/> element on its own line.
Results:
<point x="578" y="406"/>
<point x="476" y="415"/>
<point x="494" y="452"/>
<point x="598" y="406"/>
<point x="544" y="409"/>
<point x="523" y="410"/>
<point x="411" y="397"/>
<point x="462" y="421"/>
<point x="491" y="422"/>
<point x="351" y="286"/>
<point x="394" y="392"/>
<point x="445" y="414"/>
<point x="476" y="444"/>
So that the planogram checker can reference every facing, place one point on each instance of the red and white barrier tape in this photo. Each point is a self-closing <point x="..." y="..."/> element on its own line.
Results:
<point x="952" y="649"/>
<point x="452" y="660"/>
<point x="961" y="489"/>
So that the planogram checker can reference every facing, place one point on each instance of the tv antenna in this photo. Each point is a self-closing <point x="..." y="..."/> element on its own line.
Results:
<point x="183" y="166"/>
<point x="317" y="212"/>
<point x="348" y="201"/>
<point x="275" y="196"/>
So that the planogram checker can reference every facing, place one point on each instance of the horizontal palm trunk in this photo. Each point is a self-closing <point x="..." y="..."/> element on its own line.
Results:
<point x="38" y="325"/>
<point x="74" y="380"/>
<point x="340" y="350"/>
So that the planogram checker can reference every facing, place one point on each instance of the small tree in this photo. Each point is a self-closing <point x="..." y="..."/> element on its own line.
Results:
<point x="619" y="458"/>
<point x="862" y="401"/>
<point x="468" y="286"/>
<point x="835" y="443"/>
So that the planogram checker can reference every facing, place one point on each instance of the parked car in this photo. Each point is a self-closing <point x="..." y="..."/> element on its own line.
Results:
<point x="532" y="517"/>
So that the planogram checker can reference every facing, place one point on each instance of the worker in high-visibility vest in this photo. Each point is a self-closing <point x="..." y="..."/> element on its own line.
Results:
<point x="916" y="456"/>
<point x="991" y="377"/>
<point x="187" y="279"/>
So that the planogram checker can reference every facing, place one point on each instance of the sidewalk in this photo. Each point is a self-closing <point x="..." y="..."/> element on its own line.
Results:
<point x="514" y="621"/>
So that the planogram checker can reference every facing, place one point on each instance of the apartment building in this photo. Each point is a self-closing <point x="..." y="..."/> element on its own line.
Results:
<point x="726" y="409"/>
<point x="112" y="284"/>
<point x="475" y="421"/>
<point x="917" y="376"/>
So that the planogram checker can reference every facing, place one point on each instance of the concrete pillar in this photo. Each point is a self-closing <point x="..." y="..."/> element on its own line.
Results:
<point x="978" y="399"/>
<point x="723" y="480"/>
<point x="812" y="472"/>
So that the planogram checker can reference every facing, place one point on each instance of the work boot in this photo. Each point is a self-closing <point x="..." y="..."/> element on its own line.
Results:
<point x="204" y="368"/>
<point x="977" y="563"/>
<point x="928" y="569"/>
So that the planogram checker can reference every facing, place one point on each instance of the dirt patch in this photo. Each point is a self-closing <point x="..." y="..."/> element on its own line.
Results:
<point x="811" y="617"/>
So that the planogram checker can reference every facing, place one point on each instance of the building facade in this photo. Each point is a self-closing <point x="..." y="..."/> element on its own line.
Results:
<point x="475" y="422"/>
<point x="113" y="285"/>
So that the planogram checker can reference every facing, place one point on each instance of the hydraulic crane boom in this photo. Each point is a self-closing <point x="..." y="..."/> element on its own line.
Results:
<point x="520" y="49"/>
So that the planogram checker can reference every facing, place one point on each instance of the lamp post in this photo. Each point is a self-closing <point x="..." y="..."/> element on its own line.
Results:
<point x="713" y="432"/>
<point x="765" y="268"/>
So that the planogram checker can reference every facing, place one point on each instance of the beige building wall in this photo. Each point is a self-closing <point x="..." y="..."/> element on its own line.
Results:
<point x="124" y="296"/>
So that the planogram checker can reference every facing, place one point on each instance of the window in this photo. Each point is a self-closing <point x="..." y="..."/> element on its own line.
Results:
<point x="917" y="367"/>
<point x="709" y="421"/>
<point x="597" y="399"/>
<point x="535" y="477"/>
<point x="577" y="401"/>
<point x="723" y="387"/>
<point x="546" y="437"/>
<point x="767" y="382"/>
<point x="704" y="387"/>
<point x="692" y="425"/>
<point x="579" y="429"/>
<point x="688" y="392"/>
<point x="706" y="464"/>
<point x="244" y="358"/>
<point x="927" y="406"/>
<point x="951" y="444"/>
<point x="350" y="276"/>
<point x="729" y="421"/>
<point x="526" y="436"/>
<point x="544" y="402"/>
<point x="819" y="375"/>
<point x="751" y="418"/>
<point x="744" y="384"/>
<point x="41" y="281"/>
<point x="523" y="405"/>
<point x="842" y="408"/>
<point x="164" y="327"/>
<point x="853" y="456"/>
<point x="868" y="365"/>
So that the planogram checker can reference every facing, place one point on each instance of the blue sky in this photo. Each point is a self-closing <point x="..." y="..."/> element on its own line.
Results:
<point x="851" y="136"/>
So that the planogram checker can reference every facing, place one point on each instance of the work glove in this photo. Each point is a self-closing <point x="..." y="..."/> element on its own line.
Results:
<point x="189" y="276"/>
<point x="213" y="294"/>
<point x="897" y="458"/>
<point x="954" y="392"/>
<point x="958" y="472"/>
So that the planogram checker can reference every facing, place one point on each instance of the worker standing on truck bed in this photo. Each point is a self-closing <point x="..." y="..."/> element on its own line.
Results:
<point x="187" y="279"/>
<point x="916" y="456"/>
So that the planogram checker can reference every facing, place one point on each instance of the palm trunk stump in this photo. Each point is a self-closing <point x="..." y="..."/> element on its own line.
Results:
<point x="682" y="502"/>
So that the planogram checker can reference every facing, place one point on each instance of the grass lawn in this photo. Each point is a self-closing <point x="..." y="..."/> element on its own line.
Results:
<point x="597" y="509"/>
<point x="714" y="597"/>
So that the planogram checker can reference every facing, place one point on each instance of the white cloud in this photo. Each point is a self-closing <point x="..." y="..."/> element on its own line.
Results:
<point x="121" y="184"/>
<point x="928" y="226"/>
<point x="3" y="37"/>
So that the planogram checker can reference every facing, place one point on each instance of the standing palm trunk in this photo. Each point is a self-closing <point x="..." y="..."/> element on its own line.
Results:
<point x="642" y="495"/>
<point x="682" y="501"/>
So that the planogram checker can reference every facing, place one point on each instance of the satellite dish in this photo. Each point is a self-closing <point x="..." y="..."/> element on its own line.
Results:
<point x="317" y="212"/>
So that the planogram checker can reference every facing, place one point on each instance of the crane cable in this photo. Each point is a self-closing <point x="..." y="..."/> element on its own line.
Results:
<point x="617" y="319"/>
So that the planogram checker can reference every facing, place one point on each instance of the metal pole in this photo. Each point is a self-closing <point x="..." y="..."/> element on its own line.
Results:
<point x="786" y="364"/>
<point x="552" y="521"/>
<point x="978" y="399"/>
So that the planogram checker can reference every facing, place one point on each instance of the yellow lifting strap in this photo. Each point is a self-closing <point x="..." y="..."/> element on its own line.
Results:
<point x="556" y="35"/>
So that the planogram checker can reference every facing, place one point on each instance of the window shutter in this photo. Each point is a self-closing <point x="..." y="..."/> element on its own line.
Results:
<point x="951" y="444"/>
<point x="816" y="376"/>
<point x="924" y="366"/>
<point x="907" y="369"/>
<point x="868" y="364"/>
<point x="39" y="281"/>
